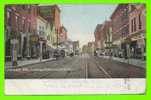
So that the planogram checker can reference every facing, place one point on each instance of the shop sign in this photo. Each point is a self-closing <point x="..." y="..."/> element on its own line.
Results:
<point x="14" y="41"/>
<point x="34" y="38"/>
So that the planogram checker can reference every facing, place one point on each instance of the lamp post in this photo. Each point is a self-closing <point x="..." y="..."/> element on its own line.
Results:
<point x="57" y="38"/>
<point x="41" y="42"/>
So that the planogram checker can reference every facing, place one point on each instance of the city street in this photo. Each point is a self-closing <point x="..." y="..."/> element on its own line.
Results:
<point x="82" y="66"/>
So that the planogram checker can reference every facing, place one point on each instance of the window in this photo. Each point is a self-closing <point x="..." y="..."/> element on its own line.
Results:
<point x="8" y="15"/>
<point x="139" y="19"/>
<point x="9" y="18"/>
<point x="23" y="23"/>
<point x="29" y="9"/>
<point x="17" y="20"/>
<point x="29" y="28"/>
<point x="23" y="7"/>
<point x="134" y="24"/>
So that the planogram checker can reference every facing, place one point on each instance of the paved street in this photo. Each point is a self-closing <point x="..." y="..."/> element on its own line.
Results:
<point x="82" y="66"/>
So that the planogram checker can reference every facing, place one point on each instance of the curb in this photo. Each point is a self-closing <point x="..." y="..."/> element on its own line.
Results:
<point x="20" y="66"/>
<point x="125" y="62"/>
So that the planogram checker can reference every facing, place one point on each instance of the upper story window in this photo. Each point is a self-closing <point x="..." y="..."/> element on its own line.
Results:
<point x="17" y="20"/>
<point x="134" y="24"/>
<point x="23" y="7"/>
<point x="8" y="17"/>
<point x="140" y="23"/>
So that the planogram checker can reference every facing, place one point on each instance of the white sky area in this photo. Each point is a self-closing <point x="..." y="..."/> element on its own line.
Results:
<point x="81" y="20"/>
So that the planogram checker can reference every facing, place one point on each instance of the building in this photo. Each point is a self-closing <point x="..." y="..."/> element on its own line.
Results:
<point x="97" y="34"/>
<point x="51" y="13"/>
<point x="63" y="34"/>
<point x="42" y="32"/>
<point x="137" y="29"/>
<point x="106" y="38"/>
<point x="20" y="24"/>
<point x="68" y="46"/>
<point x="120" y="28"/>
<point x="85" y="49"/>
<point x="76" y="46"/>
<point x="91" y="47"/>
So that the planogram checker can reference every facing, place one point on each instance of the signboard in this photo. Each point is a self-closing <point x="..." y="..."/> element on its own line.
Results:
<point x="14" y="41"/>
<point x="34" y="38"/>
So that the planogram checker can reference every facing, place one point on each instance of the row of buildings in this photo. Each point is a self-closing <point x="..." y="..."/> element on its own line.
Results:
<point x="124" y="34"/>
<point x="89" y="48"/>
<point x="31" y="30"/>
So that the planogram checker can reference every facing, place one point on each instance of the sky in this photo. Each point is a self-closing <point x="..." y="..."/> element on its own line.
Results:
<point x="81" y="20"/>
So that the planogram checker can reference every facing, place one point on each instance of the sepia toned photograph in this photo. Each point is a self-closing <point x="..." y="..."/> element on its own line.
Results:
<point x="75" y="41"/>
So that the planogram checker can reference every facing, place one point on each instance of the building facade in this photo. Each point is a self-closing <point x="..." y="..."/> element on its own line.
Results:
<point x="91" y="47"/>
<point x="107" y="38"/>
<point x="76" y="46"/>
<point x="52" y="15"/>
<point x="20" y="25"/>
<point x="63" y="34"/>
<point x="120" y="28"/>
<point x="137" y="29"/>
<point x="97" y="35"/>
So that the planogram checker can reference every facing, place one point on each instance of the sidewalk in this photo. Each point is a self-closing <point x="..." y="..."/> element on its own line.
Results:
<point x="135" y="62"/>
<point x="26" y="62"/>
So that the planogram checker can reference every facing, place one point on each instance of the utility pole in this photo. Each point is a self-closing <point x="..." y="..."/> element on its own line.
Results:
<point x="57" y="38"/>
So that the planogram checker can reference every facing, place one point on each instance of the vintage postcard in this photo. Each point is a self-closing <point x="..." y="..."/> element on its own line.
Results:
<point x="75" y="49"/>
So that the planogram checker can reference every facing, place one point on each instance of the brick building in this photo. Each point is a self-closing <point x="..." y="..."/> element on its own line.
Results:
<point x="97" y="35"/>
<point x="137" y="29"/>
<point x="120" y="28"/>
<point x="52" y="15"/>
<point x="62" y="34"/>
<point x="107" y="37"/>
<point x="20" y="24"/>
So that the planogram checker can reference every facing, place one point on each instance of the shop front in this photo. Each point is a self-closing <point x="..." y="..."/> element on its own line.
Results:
<point x="34" y="46"/>
<point x="137" y="46"/>
<point x="43" y="48"/>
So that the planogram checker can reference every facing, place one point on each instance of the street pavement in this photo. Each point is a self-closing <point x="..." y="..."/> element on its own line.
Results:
<point x="82" y="66"/>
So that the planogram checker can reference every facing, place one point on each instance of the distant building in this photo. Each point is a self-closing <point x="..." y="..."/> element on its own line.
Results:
<point x="85" y="49"/>
<point x="97" y="34"/>
<point x="106" y="37"/>
<point x="76" y="46"/>
<point x="63" y="34"/>
<point x="91" y="47"/>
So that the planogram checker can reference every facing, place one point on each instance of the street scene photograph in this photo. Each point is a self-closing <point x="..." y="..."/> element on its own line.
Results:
<point x="54" y="41"/>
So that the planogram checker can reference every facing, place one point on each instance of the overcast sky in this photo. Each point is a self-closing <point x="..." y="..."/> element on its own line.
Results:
<point x="81" y="20"/>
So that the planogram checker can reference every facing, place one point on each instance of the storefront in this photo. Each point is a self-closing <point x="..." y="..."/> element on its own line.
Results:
<point x="34" y="46"/>
<point x="43" y="48"/>
<point x="137" y="46"/>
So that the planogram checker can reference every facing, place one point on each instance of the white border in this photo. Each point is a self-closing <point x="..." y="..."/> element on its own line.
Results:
<point x="74" y="86"/>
